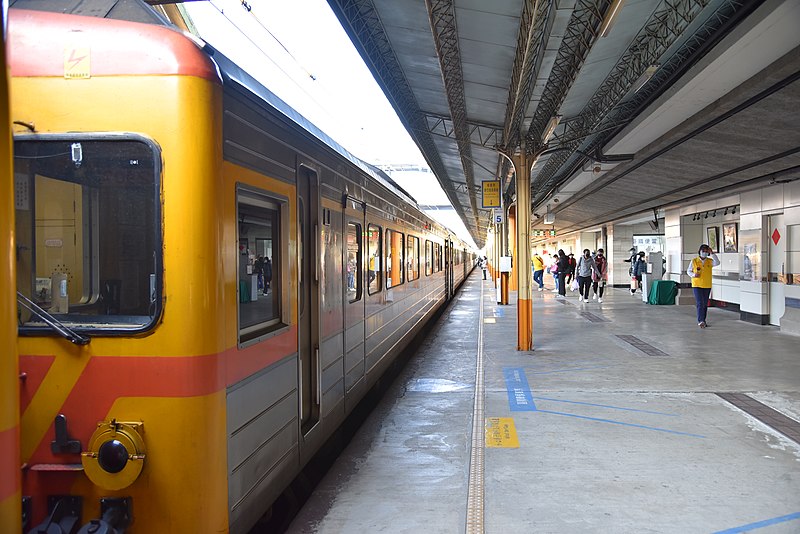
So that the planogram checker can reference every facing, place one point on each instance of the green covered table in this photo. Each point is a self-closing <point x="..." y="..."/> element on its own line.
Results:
<point x="663" y="292"/>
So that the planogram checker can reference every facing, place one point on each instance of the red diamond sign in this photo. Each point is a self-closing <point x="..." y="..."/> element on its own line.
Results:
<point x="776" y="236"/>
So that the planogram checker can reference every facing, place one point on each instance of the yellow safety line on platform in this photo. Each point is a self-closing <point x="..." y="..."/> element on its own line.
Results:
<point x="475" y="490"/>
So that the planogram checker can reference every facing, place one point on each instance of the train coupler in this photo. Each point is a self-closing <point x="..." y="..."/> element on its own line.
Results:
<point x="117" y="515"/>
<point x="64" y="516"/>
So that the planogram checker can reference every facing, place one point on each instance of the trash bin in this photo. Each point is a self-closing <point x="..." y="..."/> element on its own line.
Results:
<point x="663" y="292"/>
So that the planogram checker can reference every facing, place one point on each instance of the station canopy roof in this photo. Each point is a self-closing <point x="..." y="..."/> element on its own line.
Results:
<point x="664" y="102"/>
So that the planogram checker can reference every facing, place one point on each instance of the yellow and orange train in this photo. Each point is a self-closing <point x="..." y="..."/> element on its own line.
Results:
<point x="207" y="284"/>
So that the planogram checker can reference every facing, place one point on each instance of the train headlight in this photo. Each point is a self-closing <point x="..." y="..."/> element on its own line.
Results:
<point x="115" y="456"/>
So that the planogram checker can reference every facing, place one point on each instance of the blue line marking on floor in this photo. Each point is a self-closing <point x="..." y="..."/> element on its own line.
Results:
<point x="760" y="524"/>
<point x="623" y="424"/>
<point x="607" y="406"/>
<point x="519" y="392"/>
<point x="571" y="370"/>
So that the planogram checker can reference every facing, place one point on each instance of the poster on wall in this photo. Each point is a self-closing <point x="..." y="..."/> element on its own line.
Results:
<point x="730" y="237"/>
<point x="713" y="238"/>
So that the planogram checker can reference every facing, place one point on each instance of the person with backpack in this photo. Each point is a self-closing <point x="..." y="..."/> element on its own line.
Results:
<point x="639" y="269"/>
<point x="600" y="276"/>
<point x="538" y="270"/>
<point x="553" y="269"/>
<point x="585" y="269"/>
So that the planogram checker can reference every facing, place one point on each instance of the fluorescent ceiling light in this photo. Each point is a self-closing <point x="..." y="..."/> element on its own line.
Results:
<point x="551" y="127"/>
<point x="611" y="15"/>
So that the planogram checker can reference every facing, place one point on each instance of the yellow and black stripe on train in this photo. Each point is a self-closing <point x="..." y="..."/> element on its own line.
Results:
<point x="208" y="283"/>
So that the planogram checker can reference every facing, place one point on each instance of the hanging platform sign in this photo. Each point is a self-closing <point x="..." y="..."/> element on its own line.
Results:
<point x="491" y="193"/>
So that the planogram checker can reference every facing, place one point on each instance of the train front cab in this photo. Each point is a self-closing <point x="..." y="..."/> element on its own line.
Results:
<point x="127" y="257"/>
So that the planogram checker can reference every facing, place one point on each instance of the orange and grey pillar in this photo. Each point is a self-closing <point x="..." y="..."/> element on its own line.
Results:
<point x="522" y="162"/>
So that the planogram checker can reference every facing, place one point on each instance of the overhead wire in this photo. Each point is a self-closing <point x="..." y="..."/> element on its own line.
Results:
<point x="323" y="86"/>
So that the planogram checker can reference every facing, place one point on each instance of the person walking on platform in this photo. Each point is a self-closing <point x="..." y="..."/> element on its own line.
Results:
<point x="586" y="270"/>
<point x="563" y="269"/>
<point x="600" y="276"/>
<point x="571" y="271"/>
<point x="538" y="270"/>
<point x="554" y="271"/>
<point x="700" y="272"/>
<point x="639" y="269"/>
<point x="632" y="261"/>
<point x="482" y="262"/>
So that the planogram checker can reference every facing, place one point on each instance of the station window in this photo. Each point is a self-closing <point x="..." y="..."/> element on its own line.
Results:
<point x="374" y="253"/>
<point x="428" y="258"/>
<point x="412" y="257"/>
<point x="354" y="262"/>
<point x="88" y="232"/>
<point x="259" y="262"/>
<point x="394" y="258"/>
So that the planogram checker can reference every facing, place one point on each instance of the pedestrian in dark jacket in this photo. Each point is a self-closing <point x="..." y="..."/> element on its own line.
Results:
<point x="571" y="272"/>
<point x="563" y="269"/>
<point x="639" y="268"/>
<point x="585" y="269"/>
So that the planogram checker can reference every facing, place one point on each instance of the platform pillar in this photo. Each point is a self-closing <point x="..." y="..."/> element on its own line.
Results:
<point x="523" y="163"/>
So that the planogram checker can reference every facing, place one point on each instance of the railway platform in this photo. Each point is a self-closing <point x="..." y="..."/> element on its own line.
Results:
<point x="626" y="417"/>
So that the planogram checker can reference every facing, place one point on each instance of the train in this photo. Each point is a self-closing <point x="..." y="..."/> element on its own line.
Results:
<point x="10" y="492"/>
<point x="206" y="283"/>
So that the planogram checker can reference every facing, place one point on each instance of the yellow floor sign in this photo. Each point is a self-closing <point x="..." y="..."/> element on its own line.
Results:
<point x="501" y="432"/>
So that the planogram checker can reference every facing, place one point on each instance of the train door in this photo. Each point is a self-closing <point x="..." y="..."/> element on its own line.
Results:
<point x="448" y="267"/>
<point x="355" y="273"/>
<point x="308" y="250"/>
<point x="777" y="266"/>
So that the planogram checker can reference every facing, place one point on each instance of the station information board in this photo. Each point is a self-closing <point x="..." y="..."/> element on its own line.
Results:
<point x="491" y="193"/>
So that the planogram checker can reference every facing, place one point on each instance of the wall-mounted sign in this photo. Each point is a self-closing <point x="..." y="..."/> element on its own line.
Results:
<point x="491" y="193"/>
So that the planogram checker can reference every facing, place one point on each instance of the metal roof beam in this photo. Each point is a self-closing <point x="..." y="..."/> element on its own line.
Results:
<point x="711" y="29"/>
<point x="534" y="28"/>
<point x="360" y="20"/>
<point x="661" y="31"/>
<point x="442" y="16"/>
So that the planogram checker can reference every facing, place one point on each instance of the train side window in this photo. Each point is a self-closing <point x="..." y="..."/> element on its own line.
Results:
<point x="375" y="258"/>
<point x="412" y="257"/>
<point x="259" y="264"/>
<point x="394" y="258"/>
<point x="88" y="232"/>
<point x="428" y="258"/>
<point x="437" y="257"/>
<point x="354" y="262"/>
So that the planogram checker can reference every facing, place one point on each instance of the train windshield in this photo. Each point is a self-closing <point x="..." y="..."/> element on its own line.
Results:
<point x="88" y="231"/>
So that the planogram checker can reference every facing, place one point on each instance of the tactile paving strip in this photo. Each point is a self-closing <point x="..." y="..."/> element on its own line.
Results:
<point x="770" y="417"/>
<point x="593" y="318"/>
<point x="647" y="348"/>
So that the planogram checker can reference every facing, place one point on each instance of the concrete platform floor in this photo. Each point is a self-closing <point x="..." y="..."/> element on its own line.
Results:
<point x="615" y="434"/>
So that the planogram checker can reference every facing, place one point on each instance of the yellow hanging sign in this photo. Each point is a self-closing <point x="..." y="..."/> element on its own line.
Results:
<point x="491" y="193"/>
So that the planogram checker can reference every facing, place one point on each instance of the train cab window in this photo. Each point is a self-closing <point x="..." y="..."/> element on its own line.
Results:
<point x="394" y="258"/>
<point x="88" y="233"/>
<point x="258" y="264"/>
<point x="412" y="257"/>
<point x="354" y="262"/>
<point x="375" y="258"/>
<point x="428" y="258"/>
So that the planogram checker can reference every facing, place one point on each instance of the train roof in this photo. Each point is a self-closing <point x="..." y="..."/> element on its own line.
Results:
<point x="232" y="73"/>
